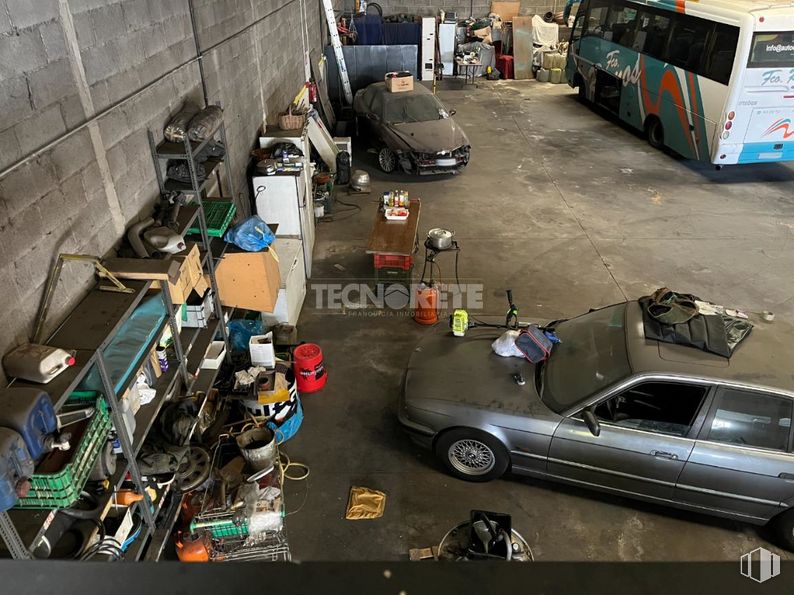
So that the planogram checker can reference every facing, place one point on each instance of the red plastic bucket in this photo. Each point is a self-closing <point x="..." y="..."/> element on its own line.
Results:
<point x="309" y="369"/>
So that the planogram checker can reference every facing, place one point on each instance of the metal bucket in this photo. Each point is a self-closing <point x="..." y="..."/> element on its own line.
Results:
<point x="258" y="447"/>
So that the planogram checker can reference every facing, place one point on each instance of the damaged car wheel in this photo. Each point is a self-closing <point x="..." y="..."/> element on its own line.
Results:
<point x="387" y="160"/>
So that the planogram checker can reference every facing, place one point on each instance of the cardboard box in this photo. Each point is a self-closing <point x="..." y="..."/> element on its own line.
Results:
<point x="249" y="280"/>
<point x="190" y="275"/>
<point x="183" y="273"/>
<point x="154" y="361"/>
<point x="397" y="82"/>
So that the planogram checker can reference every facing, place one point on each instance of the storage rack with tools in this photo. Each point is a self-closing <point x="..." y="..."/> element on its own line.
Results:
<point x="195" y="189"/>
<point x="90" y="329"/>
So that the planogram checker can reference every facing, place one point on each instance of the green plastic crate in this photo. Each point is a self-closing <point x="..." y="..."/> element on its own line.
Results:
<point x="61" y="489"/>
<point x="219" y="214"/>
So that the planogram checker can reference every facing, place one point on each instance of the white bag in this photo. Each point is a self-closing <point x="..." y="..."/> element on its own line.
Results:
<point x="505" y="345"/>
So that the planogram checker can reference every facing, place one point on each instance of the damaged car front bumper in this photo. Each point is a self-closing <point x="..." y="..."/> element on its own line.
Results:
<point x="443" y="162"/>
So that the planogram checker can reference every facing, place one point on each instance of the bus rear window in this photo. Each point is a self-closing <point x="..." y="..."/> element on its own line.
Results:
<point x="772" y="49"/>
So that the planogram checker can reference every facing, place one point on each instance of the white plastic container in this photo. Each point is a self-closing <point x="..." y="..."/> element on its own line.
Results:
<point x="215" y="355"/>
<point x="262" y="351"/>
<point x="196" y="313"/>
<point x="397" y="214"/>
<point x="37" y="363"/>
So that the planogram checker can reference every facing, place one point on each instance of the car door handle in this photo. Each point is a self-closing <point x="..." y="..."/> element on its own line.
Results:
<point x="787" y="476"/>
<point x="664" y="455"/>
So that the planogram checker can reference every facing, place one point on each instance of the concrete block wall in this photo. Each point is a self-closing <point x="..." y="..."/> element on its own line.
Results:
<point x="81" y="82"/>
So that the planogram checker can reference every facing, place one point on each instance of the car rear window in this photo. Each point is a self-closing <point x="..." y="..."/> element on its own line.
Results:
<point x="751" y="419"/>
<point x="405" y="108"/>
<point x="772" y="50"/>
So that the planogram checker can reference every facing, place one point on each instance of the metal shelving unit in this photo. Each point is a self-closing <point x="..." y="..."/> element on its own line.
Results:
<point x="187" y="151"/>
<point x="106" y="313"/>
<point x="192" y="342"/>
<point x="93" y="324"/>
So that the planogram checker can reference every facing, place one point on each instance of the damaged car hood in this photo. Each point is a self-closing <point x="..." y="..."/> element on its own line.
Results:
<point x="429" y="137"/>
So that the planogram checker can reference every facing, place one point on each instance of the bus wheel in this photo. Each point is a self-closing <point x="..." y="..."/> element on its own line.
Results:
<point x="581" y="87"/>
<point x="655" y="132"/>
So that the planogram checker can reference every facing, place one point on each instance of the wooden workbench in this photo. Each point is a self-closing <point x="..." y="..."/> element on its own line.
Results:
<point x="395" y="237"/>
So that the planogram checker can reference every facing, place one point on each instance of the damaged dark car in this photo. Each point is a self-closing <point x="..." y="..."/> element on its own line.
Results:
<point x="412" y="130"/>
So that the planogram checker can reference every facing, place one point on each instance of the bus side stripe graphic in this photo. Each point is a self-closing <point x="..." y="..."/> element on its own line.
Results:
<point x="668" y="83"/>
<point x="696" y="111"/>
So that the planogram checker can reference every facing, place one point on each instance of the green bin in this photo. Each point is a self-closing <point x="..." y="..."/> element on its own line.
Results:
<point x="62" y="488"/>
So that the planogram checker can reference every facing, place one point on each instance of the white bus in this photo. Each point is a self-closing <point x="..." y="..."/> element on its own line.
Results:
<point x="712" y="80"/>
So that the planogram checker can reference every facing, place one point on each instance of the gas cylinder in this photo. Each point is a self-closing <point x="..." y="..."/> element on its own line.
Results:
<point x="193" y="547"/>
<point x="426" y="310"/>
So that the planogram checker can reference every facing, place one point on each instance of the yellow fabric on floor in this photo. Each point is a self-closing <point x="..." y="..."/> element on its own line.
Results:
<point x="365" y="503"/>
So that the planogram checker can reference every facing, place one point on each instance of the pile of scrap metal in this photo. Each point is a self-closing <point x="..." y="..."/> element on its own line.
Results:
<point x="238" y="514"/>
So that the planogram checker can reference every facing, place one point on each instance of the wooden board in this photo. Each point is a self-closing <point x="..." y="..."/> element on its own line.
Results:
<point x="395" y="237"/>
<point x="143" y="268"/>
<point x="320" y="73"/>
<point x="424" y="553"/>
<point x="506" y="10"/>
<point x="522" y="48"/>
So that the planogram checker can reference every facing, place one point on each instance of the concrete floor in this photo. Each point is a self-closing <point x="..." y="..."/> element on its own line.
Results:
<point x="571" y="211"/>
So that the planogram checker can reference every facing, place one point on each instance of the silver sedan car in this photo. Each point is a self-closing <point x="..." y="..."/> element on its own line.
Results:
<point x="614" y="411"/>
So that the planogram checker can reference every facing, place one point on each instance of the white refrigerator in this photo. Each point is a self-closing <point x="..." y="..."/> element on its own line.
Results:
<point x="428" y="48"/>
<point x="286" y="199"/>
<point x="446" y="46"/>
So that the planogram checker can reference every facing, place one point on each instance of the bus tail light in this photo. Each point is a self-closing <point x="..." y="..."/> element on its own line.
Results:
<point x="731" y="115"/>
<point x="725" y="134"/>
<point x="728" y="125"/>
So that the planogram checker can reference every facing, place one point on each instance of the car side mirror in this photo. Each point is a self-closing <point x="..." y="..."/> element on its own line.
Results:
<point x="372" y="116"/>
<point x="452" y="112"/>
<point x="591" y="421"/>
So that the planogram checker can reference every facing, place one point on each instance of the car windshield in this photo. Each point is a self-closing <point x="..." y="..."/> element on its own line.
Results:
<point x="590" y="357"/>
<point x="399" y="108"/>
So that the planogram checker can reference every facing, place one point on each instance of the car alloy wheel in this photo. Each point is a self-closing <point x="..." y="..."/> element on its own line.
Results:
<point x="387" y="160"/>
<point x="471" y="457"/>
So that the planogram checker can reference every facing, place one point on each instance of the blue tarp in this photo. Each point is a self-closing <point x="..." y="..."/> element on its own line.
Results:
<point x="369" y="29"/>
<point x="128" y="345"/>
<point x="368" y="64"/>
<point x="402" y="33"/>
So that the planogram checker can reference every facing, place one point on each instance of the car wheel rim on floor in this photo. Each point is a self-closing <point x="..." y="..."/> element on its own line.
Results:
<point x="471" y="457"/>
<point x="387" y="160"/>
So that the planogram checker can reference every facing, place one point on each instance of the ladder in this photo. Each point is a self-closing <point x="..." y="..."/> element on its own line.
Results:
<point x="337" y="45"/>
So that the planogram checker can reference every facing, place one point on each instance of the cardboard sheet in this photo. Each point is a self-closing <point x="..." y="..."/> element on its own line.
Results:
<point x="506" y="10"/>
